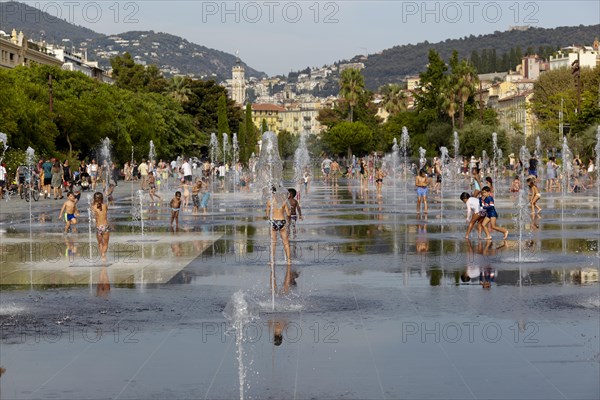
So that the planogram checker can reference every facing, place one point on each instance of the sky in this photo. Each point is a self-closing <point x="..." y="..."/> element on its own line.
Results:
<point x="282" y="36"/>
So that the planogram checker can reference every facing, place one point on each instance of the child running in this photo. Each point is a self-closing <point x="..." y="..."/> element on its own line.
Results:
<point x="295" y="211"/>
<point x="473" y="214"/>
<point x="277" y="212"/>
<point x="70" y="212"/>
<point x="175" y="205"/>
<point x="491" y="214"/>
<point x="100" y="211"/>
<point x="152" y="186"/>
<point x="534" y="195"/>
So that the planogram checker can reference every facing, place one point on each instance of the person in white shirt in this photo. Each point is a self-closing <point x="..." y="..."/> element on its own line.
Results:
<point x="186" y="168"/>
<point x="473" y="214"/>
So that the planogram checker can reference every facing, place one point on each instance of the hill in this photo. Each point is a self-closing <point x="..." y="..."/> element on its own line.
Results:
<point x="393" y="65"/>
<point x="172" y="54"/>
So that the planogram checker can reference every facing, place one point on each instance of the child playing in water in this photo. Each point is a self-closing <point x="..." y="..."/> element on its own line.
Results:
<point x="278" y="211"/>
<point x="421" y="184"/>
<point x="100" y="211"/>
<point x="69" y="211"/>
<point x="109" y="194"/>
<point x="515" y="186"/>
<point x="196" y="195"/>
<point x="295" y="210"/>
<point x="152" y="186"/>
<point x="473" y="214"/>
<point x="534" y="194"/>
<point x="491" y="214"/>
<point x="175" y="205"/>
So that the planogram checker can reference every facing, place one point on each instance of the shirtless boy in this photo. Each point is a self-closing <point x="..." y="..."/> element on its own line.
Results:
<point x="69" y="211"/>
<point x="278" y="211"/>
<point x="175" y="205"/>
<point x="295" y="211"/>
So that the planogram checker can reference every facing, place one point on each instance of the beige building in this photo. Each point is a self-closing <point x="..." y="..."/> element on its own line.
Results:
<point x="269" y="113"/>
<point x="16" y="50"/>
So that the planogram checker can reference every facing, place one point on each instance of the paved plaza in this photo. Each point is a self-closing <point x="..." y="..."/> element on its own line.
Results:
<point x="381" y="309"/>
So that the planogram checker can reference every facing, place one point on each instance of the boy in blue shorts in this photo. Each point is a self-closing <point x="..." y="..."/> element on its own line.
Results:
<point x="69" y="212"/>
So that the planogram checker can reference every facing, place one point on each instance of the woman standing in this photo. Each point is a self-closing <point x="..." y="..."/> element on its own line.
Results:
<point x="67" y="174"/>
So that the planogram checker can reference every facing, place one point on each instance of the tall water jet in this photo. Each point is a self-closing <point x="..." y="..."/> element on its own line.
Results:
<point x="567" y="170"/>
<point x="404" y="144"/>
<point x="29" y="159"/>
<point x="422" y="159"/>
<point x="523" y="215"/>
<point x="395" y="166"/>
<point x="395" y="157"/>
<point x="214" y="148"/>
<point x="235" y="156"/>
<point x="104" y="160"/>
<point x="141" y="203"/>
<point x="239" y="313"/>
<point x="444" y="158"/>
<point x="538" y="148"/>
<point x="90" y="221"/>
<point x="226" y="149"/>
<point x="485" y="161"/>
<point x="152" y="154"/>
<point x="457" y="160"/>
<point x="301" y="158"/>
<point x="495" y="159"/>
<point x="269" y="178"/>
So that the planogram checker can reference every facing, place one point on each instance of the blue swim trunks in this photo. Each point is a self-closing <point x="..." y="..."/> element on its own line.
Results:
<point x="69" y="217"/>
<point x="421" y="191"/>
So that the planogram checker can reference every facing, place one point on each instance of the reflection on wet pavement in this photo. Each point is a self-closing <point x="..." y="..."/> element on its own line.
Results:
<point x="388" y="304"/>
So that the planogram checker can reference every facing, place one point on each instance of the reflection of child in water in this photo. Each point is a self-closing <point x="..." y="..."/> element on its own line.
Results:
<point x="422" y="242"/>
<point x="277" y="326"/>
<point x="486" y="276"/>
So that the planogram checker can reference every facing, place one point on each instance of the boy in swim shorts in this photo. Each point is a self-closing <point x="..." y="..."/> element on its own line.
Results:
<point x="69" y="212"/>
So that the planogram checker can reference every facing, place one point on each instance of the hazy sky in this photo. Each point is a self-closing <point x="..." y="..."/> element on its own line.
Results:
<point x="280" y="36"/>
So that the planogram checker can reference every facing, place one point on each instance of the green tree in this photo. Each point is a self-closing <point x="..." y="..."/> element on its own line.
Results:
<point x="251" y="133"/>
<point x="432" y="83"/>
<point x="351" y="137"/>
<point x="352" y="86"/>
<point x="129" y="75"/>
<point x="394" y="98"/>
<point x="179" y="89"/>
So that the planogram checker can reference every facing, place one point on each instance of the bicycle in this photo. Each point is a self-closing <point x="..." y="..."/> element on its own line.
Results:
<point x="30" y="191"/>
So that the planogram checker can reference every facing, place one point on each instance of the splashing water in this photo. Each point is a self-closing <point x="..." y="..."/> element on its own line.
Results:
<point x="30" y="157"/>
<point x="301" y="158"/>
<point x="422" y="159"/>
<point x="238" y="313"/>
<point x="214" y="148"/>
<point x="235" y="148"/>
<point x="523" y="217"/>
<point x="226" y="149"/>
<point x="152" y="153"/>
<point x="104" y="159"/>
<point x="90" y="221"/>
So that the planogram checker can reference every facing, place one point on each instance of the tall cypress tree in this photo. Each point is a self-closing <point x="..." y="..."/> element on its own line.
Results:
<point x="222" y="122"/>
<point x="251" y="138"/>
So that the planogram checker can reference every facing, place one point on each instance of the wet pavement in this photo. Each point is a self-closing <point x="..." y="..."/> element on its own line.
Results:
<point x="382" y="308"/>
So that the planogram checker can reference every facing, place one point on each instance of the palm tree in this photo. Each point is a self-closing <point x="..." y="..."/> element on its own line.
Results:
<point x="394" y="98"/>
<point x="179" y="89"/>
<point x="352" y="86"/>
<point x="466" y="80"/>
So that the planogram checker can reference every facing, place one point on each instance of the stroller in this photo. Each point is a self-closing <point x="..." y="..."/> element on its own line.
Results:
<point x="82" y="180"/>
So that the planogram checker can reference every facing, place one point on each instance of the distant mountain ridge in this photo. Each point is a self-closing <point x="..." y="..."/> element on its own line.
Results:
<point x="394" y="64"/>
<point x="172" y="54"/>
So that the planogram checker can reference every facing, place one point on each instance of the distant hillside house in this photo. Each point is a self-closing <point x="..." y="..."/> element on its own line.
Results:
<point x="16" y="50"/>
<point x="72" y="61"/>
<point x="589" y="57"/>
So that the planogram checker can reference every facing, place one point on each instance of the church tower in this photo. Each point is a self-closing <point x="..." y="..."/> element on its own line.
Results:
<point x="238" y="83"/>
